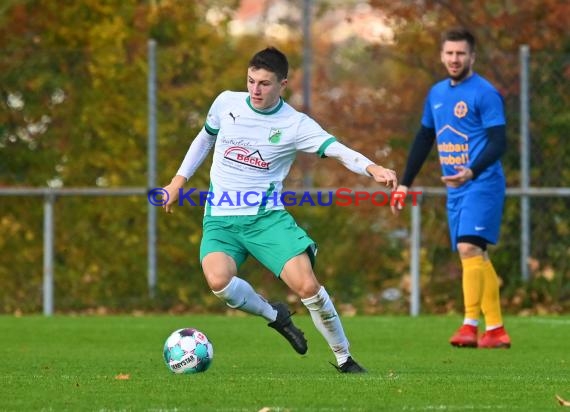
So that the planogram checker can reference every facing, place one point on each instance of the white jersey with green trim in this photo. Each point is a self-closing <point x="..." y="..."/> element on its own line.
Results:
<point x="254" y="152"/>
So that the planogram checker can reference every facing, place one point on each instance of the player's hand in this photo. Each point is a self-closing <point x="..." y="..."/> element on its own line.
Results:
<point x="398" y="199"/>
<point x="382" y="175"/>
<point x="463" y="175"/>
<point x="173" y="191"/>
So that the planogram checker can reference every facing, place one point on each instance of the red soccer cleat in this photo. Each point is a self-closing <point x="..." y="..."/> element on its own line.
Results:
<point x="495" y="339"/>
<point x="465" y="337"/>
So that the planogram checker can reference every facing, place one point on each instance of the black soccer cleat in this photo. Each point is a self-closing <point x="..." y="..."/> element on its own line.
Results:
<point x="350" y="366"/>
<point x="284" y="325"/>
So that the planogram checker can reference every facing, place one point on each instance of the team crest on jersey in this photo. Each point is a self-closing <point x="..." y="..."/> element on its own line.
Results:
<point x="274" y="136"/>
<point x="246" y="157"/>
<point x="460" y="110"/>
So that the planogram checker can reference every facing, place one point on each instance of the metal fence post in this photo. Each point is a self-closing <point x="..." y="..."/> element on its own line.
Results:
<point x="151" y="183"/>
<point x="48" y="255"/>
<point x="525" y="162"/>
<point x="307" y="70"/>
<point x="415" y="251"/>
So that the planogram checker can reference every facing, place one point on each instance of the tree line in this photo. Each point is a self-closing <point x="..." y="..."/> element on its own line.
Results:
<point x="73" y="82"/>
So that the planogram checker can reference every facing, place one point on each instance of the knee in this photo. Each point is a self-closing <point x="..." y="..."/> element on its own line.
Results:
<point x="316" y="301"/>
<point x="218" y="270"/>
<point x="227" y="293"/>
<point x="308" y="289"/>
<point x="468" y="250"/>
<point x="216" y="283"/>
<point x="216" y="280"/>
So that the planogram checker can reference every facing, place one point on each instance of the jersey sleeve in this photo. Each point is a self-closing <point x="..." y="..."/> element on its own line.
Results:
<point x="212" y="124"/>
<point x="196" y="154"/>
<point x="491" y="108"/>
<point x="427" y="117"/>
<point x="311" y="137"/>
<point x="354" y="161"/>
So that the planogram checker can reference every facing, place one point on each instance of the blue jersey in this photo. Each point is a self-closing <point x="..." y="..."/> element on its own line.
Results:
<point x="459" y="115"/>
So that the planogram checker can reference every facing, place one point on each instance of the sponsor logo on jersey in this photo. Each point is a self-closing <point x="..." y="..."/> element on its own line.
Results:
<point x="451" y="152"/>
<point x="230" y="141"/>
<point x="245" y="157"/>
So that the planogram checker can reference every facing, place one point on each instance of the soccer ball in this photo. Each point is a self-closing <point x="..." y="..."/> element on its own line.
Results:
<point x="188" y="351"/>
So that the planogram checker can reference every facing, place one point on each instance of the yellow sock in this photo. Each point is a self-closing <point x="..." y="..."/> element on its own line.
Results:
<point x="472" y="283"/>
<point x="491" y="300"/>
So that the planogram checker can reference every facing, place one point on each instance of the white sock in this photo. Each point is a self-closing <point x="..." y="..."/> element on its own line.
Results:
<point x="328" y="323"/>
<point x="471" y="322"/>
<point x="239" y="294"/>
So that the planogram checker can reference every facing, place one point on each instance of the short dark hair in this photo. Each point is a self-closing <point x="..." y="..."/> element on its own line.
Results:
<point x="459" y="34"/>
<point x="271" y="60"/>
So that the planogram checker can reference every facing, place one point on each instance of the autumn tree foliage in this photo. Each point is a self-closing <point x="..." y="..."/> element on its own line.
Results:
<point x="73" y="87"/>
<point x="371" y="95"/>
<point x="73" y="81"/>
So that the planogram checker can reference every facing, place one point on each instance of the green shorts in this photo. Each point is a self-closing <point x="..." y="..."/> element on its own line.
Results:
<point x="272" y="238"/>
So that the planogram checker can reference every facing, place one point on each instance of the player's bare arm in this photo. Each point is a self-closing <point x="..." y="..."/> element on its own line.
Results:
<point x="383" y="175"/>
<point x="173" y="190"/>
<point x="396" y="207"/>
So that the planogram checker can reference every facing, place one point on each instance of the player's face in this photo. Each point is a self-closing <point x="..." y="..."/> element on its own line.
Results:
<point x="264" y="88"/>
<point x="458" y="59"/>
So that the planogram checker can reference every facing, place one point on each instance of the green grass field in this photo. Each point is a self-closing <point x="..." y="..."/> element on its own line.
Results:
<point x="73" y="364"/>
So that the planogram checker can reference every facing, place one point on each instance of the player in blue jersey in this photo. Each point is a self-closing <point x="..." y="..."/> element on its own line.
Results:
<point x="464" y="115"/>
<point x="255" y="136"/>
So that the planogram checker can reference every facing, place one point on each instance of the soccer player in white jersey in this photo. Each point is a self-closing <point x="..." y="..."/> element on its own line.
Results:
<point x="255" y="135"/>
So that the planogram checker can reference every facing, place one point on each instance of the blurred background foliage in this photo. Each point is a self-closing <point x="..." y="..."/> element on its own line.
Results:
<point x="73" y="113"/>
